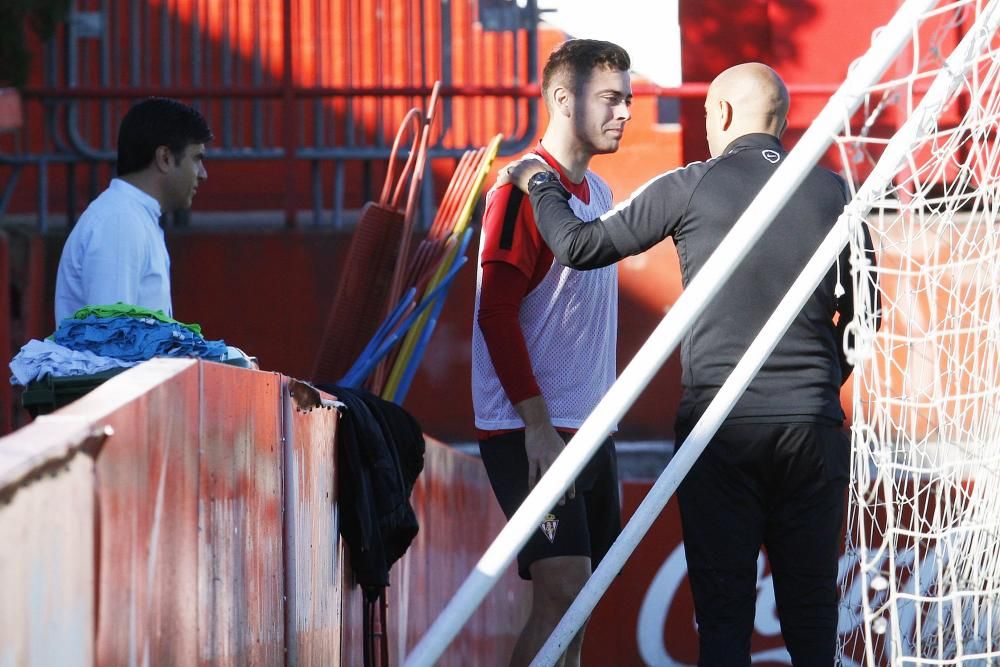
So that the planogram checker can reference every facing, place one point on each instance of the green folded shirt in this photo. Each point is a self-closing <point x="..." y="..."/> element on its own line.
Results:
<point x="128" y="310"/>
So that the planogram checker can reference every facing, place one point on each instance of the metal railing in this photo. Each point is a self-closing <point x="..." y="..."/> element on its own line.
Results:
<point x="315" y="81"/>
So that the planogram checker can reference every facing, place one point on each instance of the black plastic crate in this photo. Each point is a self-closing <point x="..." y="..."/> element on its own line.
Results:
<point x="51" y="393"/>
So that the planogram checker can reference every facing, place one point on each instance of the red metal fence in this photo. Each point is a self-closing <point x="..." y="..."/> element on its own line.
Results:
<point x="184" y="513"/>
<point x="318" y="85"/>
<point x="305" y="95"/>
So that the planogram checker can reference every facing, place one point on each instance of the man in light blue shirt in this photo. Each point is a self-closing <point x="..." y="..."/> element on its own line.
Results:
<point x="116" y="251"/>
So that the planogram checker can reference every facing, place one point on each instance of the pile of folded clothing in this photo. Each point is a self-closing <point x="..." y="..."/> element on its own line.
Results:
<point x="101" y="338"/>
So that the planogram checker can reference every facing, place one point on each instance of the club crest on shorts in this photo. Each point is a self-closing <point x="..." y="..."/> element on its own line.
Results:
<point x="549" y="526"/>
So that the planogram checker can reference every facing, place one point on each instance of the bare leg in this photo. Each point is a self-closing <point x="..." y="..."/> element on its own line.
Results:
<point x="555" y="583"/>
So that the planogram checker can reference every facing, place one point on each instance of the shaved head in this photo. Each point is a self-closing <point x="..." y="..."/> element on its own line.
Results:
<point x="744" y="99"/>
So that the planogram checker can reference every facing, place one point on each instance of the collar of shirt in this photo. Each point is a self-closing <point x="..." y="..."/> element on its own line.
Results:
<point x="146" y="201"/>
<point x="755" y="140"/>
<point x="579" y="190"/>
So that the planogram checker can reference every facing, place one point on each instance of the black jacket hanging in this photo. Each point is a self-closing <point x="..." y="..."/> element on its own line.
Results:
<point x="380" y="456"/>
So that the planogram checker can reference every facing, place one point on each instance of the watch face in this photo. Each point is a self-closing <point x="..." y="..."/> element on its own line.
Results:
<point x="541" y="177"/>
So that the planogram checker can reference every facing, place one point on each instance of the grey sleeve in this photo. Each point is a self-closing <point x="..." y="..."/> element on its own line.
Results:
<point x="648" y="216"/>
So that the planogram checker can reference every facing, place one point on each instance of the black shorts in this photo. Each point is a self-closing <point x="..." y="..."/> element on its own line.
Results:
<point x="586" y="525"/>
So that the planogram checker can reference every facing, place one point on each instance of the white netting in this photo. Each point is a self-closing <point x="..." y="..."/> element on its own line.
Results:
<point x="921" y="574"/>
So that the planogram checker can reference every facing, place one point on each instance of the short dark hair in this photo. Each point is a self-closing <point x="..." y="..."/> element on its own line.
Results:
<point x="576" y="58"/>
<point x="155" y="122"/>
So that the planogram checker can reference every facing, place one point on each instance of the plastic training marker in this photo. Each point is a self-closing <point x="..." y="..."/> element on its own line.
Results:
<point x="465" y="205"/>
<point x="364" y="288"/>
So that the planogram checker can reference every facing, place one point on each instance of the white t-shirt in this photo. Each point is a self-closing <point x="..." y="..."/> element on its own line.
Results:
<point x="116" y="252"/>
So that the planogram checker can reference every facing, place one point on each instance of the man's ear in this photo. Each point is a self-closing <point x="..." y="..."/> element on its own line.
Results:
<point x="562" y="100"/>
<point x="163" y="158"/>
<point x="725" y="115"/>
<point x="784" y="126"/>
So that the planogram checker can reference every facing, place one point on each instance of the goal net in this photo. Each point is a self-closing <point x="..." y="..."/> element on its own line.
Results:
<point x="920" y="579"/>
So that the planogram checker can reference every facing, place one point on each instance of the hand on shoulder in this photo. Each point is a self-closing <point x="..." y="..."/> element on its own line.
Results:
<point x="518" y="172"/>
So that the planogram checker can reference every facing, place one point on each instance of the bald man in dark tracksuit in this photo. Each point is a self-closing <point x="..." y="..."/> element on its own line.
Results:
<point x="776" y="471"/>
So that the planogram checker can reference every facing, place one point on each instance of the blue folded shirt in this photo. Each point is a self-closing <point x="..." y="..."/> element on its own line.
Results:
<point x="39" y="358"/>
<point x="136" y="339"/>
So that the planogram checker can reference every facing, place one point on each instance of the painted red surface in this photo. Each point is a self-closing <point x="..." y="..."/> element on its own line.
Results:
<point x="11" y="111"/>
<point x="146" y="485"/>
<point x="316" y="577"/>
<point x="6" y="406"/>
<point x="806" y="41"/>
<point x="345" y="45"/>
<point x="216" y="532"/>
<point x="240" y="574"/>
<point x="35" y="283"/>
<point x="339" y="44"/>
<point x="190" y="567"/>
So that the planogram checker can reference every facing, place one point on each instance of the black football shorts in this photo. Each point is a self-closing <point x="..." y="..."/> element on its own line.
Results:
<point x="586" y="525"/>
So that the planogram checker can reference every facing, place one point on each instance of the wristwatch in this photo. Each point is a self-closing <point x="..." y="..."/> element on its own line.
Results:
<point x="542" y="177"/>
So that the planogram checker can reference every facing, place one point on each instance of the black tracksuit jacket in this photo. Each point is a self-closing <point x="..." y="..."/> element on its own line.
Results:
<point x="697" y="205"/>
